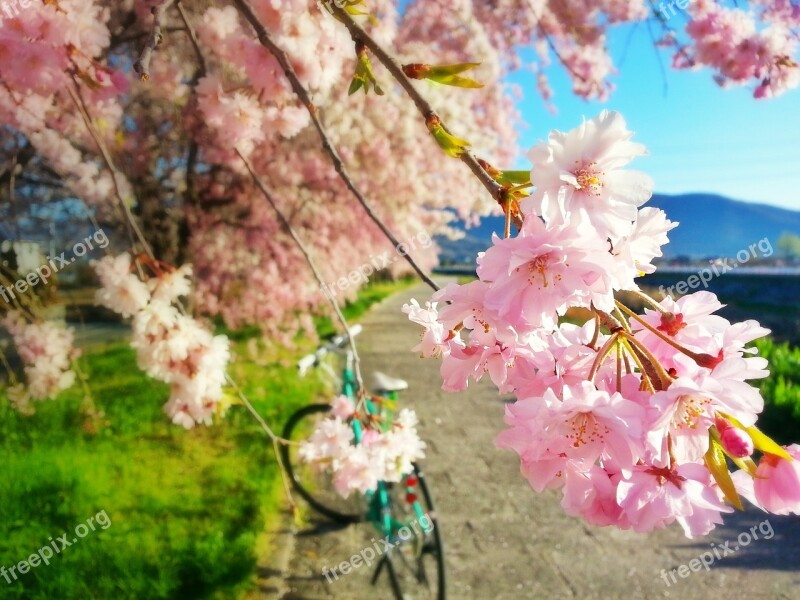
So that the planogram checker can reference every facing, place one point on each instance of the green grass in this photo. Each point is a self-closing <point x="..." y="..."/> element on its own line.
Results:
<point x="186" y="508"/>
<point x="781" y="391"/>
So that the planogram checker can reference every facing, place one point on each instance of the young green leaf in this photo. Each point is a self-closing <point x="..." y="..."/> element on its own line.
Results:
<point x="715" y="461"/>
<point x="445" y="74"/>
<point x="452" y="145"/>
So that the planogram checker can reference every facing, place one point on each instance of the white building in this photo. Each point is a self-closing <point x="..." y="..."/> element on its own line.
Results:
<point x="29" y="254"/>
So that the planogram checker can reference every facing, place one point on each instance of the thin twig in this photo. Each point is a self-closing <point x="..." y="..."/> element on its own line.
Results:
<point x="202" y="69"/>
<point x="194" y="147"/>
<point x="648" y="300"/>
<point x="681" y="49"/>
<point x="302" y="93"/>
<point x="655" y="370"/>
<point x="276" y="440"/>
<point x="659" y="59"/>
<point x="312" y="264"/>
<point x="142" y="65"/>
<point x="602" y="355"/>
<point x="642" y="370"/>
<point x="133" y="227"/>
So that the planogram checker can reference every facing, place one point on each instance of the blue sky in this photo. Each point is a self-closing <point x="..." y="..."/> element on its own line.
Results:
<point x="701" y="138"/>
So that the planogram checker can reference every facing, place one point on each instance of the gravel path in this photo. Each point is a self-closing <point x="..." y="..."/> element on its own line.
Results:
<point x="503" y="540"/>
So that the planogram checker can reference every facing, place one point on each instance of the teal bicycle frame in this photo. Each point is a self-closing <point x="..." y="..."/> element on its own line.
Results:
<point x="379" y="508"/>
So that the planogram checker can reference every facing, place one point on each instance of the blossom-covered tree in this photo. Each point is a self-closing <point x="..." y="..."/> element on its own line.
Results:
<point x="167" y="120"/>
<point x="172" y="114"/>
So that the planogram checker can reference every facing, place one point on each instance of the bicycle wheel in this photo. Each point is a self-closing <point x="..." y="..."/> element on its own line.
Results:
<point x="416" y="562"/>
<point x="313" y="484"/>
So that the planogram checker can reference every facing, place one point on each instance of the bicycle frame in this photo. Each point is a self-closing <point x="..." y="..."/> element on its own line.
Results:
<point x="379" y="512"/>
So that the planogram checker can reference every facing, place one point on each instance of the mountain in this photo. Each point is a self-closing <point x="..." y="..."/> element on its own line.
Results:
<point x="713" y="226"/>
<point x="710" y="226"/>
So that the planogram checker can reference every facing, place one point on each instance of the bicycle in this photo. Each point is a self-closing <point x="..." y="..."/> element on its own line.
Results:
<point x="393" y="509"/>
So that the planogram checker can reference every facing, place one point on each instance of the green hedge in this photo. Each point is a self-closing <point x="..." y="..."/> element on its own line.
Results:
<point x="781" y="391"/>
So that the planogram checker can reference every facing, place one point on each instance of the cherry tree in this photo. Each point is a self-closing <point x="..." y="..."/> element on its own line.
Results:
<point x="176" y="123"/>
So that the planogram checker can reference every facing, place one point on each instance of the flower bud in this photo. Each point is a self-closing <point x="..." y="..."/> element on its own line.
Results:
<point x="736" y="442"/>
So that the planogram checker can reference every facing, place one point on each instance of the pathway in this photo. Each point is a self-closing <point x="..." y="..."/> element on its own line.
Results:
<point x="506" y="542"/>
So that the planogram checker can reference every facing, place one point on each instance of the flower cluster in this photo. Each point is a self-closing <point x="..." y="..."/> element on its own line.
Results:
<point x="632" y="416"/>
<point x="170" y="346"/>
<point x="358" y="463"/>
<point x="729" y="41"/>
<point x="46" y="350"/>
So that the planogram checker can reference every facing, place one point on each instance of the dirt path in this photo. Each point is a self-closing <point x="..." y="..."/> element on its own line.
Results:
<point x="506" y="542"/>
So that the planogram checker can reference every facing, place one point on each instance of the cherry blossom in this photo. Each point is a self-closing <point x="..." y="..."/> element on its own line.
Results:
<point x="47" y="351"/>
<point x="170" y="346"/>
<point x="776" y="484"/>
<point x="357" y="465"/>
<point x="630" y="416"/>
<point x="580" y="174"/>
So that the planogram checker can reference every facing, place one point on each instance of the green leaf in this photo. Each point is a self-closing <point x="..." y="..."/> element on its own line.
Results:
<point x="364" y="77"/>
<point x="444" y="74"/>
<point x="715" y="461"/>
<point x="746" y="464"/>
<point x="456" y="81"/>
<point x="766" y="444"/>
<point x="452" y="145"/>
<point x="514" y="177"/>
<point x="453" y="69"/>
<point x="355" y="85"/>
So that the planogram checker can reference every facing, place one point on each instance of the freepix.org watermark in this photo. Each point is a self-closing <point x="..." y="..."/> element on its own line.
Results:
<point x="377" y="263"/>
<point x="422" y="526"/>
<point x="43" y="273"/>
<point x="720" y="551"/>
<point x="56" y="546"/>
<point x="11" y="8"/>
<point x="719" y="268"/>
<point x="668" y="8"/>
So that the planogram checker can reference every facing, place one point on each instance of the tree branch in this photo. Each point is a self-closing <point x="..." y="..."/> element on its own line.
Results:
<point x="423" y="106"/>
<point x="201" y="61"/>
<point x="133" y="228"/>
<point x="302" y="93"/>
<point x="142" y="66"/>
<point x="312" y="264"/>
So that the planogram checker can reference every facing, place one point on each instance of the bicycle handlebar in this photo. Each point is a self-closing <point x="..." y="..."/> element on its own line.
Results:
<point x="337" y="343"/>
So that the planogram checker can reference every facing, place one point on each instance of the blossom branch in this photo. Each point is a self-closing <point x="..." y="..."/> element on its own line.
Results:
<point x="201" y="61"/>
<point x="133" y="228"/>
<point x="302" y="93"/>
<point x="312" y="265"/>
<point x="274" y="438"/>
<point x="396" y="70"/>
<point x="704" y="360"/>
<point x="142" y="65"/>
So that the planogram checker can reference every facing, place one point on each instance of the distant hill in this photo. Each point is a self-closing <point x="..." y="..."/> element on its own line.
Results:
<point x="710" y="226"/>
<point x="717" y="226"/>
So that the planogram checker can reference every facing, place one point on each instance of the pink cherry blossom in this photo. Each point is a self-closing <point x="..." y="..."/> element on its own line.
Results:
<point x="545" y="269"/>
<point x="653" y="497"/>
<point x="170" y="346"/>
<point x="592" y="494"/>
<point x="46" y="350"/>
<point x="777" y="482"/>
<point x="580" y="174"/>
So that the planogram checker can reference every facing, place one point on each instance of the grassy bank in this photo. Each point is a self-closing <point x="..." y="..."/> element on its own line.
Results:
<point x="781" y="391"/>
<point x="186" y="508"/>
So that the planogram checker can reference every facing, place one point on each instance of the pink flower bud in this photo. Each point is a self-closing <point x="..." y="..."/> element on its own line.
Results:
<point x="736" y="442"/>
